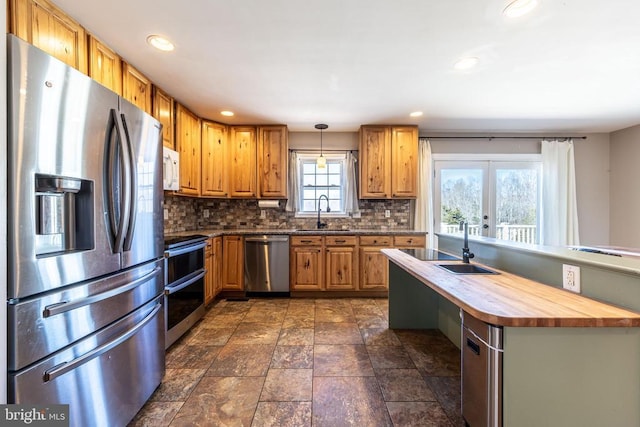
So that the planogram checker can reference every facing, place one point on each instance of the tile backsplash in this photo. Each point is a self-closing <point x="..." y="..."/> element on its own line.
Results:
<point x="189" y="214"/>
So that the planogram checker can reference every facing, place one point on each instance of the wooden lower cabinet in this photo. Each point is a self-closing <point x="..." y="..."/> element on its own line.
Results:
<point x="213" y="264"/>
<point x="306" y="263"/>
<point x="209" y="292"/>
<point x="233" y="263"/>
<point x="374" y="269"/>
<point x="217" y="265"/>
<point x="374" y="265"/>
<point x="341" y="260"/>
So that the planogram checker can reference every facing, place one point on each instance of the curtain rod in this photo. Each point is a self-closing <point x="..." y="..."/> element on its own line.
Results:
<point x="504" y="137"/>
<point x="314" y="150"/>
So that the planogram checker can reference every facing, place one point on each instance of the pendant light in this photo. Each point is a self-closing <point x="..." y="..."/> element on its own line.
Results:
<point x="321" y="162"/>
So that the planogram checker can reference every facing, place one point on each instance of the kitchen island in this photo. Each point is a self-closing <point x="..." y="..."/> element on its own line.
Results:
<point x="568" y="360"/>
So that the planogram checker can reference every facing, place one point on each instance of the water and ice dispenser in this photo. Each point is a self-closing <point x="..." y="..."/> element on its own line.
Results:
<point x="64" y="214"/>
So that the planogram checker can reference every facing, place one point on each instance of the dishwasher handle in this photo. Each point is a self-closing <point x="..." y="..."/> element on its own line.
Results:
<point x="474" y="346"/>
<point x="266" y="239"/>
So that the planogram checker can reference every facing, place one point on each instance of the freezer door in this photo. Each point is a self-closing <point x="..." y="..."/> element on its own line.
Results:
<point x="144" y="238"/>
<point x="41" y="326"/>
<point x="57" y="132"/>
<point x="105" y="378"/>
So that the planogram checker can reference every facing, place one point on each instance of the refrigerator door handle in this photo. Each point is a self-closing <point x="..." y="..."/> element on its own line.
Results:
<point x="64" y="306"/>
<point x="133" y="194"/>
<point x="118" y="207"/>
<point x="64" y="367"/>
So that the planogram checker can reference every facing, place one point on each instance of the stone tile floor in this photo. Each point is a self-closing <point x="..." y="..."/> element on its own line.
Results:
<point x="306" y="362"/>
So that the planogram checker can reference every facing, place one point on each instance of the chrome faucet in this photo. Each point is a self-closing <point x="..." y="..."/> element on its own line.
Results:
<point x="466" y="253"/>
<point x="322" y="224"/>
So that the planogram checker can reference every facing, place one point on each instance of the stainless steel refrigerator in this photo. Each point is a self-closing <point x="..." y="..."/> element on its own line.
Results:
<point x="85" y="243"/>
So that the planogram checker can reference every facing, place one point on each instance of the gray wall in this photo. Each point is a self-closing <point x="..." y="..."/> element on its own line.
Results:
<point x="625" y="191"/>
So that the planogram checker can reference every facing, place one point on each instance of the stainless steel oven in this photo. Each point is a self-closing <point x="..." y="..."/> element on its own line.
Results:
<point x="184" y="284"/>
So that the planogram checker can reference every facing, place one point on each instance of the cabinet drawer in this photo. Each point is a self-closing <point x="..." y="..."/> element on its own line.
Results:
<point x="376" y="240"/>
<point x="341" y="240"/>
<point x="306" y="240"/>
<point x="410" y="241"/>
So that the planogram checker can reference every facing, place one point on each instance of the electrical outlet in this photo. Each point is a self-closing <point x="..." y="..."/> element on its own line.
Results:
<point x="166" y="214"/>
<point x="205" y="213"/>
<point x="571" y="277"/>
<point x="263" y="214"/>
<point x="387" y="213"/>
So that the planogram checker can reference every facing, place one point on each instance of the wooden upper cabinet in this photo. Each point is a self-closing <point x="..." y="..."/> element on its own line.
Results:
<point x="375" y="162"/>
<point x="188" y="145"/>
<point x="404" y="159"/>
<point x="105" y="66"/>
<point x="388" y="162"/>
<point x="273" y="145"/>
<point x="214" y="159"/>
<point x="42" y="24"/>
<point x="242" y="182"/>
<point x="163" y="106"/>
<point x="136" y="88"/>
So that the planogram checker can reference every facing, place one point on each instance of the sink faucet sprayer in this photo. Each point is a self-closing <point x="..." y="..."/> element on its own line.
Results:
<point x="466" y="253"/>
<point x="322" y="224"/>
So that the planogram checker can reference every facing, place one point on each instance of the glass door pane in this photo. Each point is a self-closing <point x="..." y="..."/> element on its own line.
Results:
<point x="516" y="202"/>
<point x="461" y="196"/>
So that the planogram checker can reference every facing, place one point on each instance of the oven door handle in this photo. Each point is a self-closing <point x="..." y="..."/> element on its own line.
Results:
<point x="178" y="287"/>
<point x="183" y="250"/>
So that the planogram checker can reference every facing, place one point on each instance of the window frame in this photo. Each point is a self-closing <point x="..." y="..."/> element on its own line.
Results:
<point x="489" y="163"/>
<point x="306" y="157"/>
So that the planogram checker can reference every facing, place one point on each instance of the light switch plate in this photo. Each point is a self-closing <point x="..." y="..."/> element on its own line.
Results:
<point x="166" y="214"/>
<point x="571" y="277"/>
<point x="205" y="213"/>
<point x="387" y="213"/>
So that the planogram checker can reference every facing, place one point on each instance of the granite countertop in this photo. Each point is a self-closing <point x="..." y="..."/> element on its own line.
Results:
<point x="301" y="232"/>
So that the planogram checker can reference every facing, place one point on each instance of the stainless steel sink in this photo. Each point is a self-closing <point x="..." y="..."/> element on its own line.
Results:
<point x="466" y="269"/>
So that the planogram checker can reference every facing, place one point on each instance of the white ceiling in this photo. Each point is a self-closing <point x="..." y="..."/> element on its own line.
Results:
<point x="570" y="66"/>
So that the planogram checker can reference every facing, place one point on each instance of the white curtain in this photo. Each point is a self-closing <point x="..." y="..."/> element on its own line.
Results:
<point x="292" y="183"/>
<point x="423" y="220"/>
<point x="559" y="208"/>
<point x="351" y="185"/>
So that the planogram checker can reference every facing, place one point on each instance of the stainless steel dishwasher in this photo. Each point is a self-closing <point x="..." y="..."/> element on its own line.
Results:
<point x="481" y="372"/>
<point x="266" y="265"/>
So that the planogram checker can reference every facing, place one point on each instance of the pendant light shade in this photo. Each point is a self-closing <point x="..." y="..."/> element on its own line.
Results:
<point x="321" y="162"/>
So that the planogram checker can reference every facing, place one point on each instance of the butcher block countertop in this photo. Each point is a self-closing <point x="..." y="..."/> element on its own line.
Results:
<point x="508" y="300"/>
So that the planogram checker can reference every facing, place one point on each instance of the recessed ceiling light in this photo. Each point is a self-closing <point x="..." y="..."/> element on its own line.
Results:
<point x="466" y="63"/>
<point x="160" y="43"/>
<point x="416" y="114"/>
<point x="519" y="7"/>
<point x="227" y="113"/>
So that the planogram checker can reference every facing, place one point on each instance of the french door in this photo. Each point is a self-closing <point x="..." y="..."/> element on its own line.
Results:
<point x="497" y="198"/>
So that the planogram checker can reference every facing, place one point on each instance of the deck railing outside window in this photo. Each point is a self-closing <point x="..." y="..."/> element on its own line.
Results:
<point x="512" y="232"/>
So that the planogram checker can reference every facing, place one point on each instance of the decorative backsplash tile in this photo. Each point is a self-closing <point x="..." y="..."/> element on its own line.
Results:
<point x="188" y="214"/>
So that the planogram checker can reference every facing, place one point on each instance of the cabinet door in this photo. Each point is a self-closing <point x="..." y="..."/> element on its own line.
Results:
<point x="214" y="161"/>
<point x="233" y="263"/>
<point x="163" y="112"/>
<point x="243" y="161"/>
<point x="45" y="26"/>
<point x="375" y="162"/>
<point x="341" y="262"/>
<point x="209" y="291"/>
<point x="272" y="161"/>
<point x="374" y="269"/>
<point x="404" y="162"/>
<point x="217" y="264"/>
<point x="105" y="65"/>
<point x="136" y="88"/>
<point x="188" y="145"/>
<point x="306" y="268"/>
